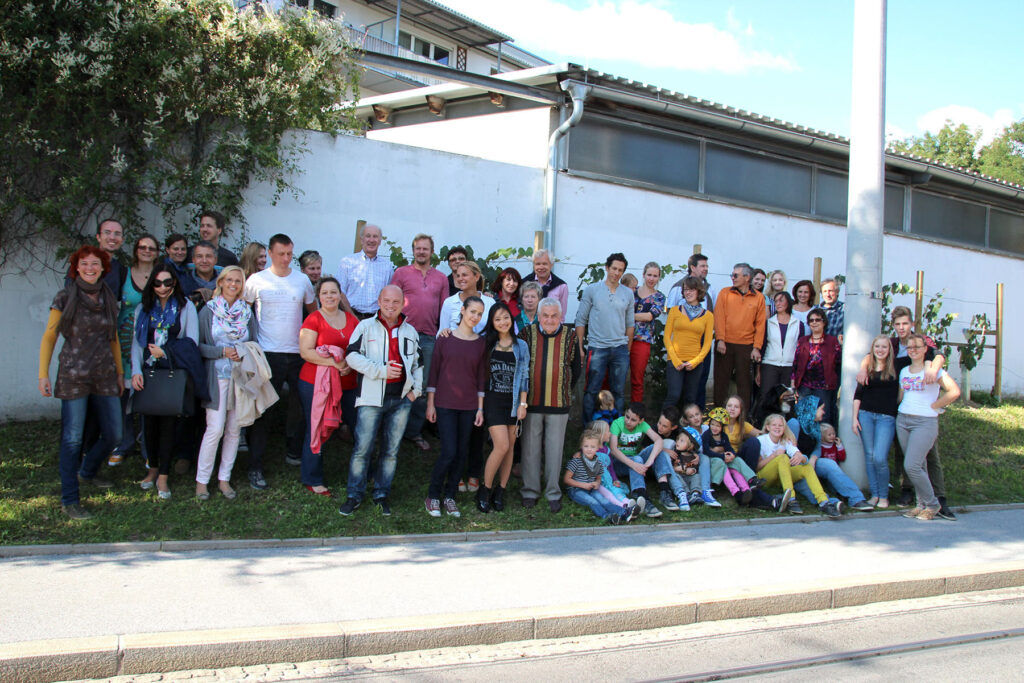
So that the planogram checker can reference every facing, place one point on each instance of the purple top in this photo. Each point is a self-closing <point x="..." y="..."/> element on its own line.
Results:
<point x="458" y="372"/>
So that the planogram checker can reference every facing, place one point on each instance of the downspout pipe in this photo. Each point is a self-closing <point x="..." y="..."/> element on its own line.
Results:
<point x="579" y="94"/>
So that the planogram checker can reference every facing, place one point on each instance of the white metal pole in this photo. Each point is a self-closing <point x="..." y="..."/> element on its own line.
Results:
<point x="865" y="214"/>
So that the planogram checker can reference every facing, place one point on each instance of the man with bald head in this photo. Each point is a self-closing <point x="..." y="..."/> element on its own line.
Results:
<point x="363" y="274"/>
<point x="384" y="350"/>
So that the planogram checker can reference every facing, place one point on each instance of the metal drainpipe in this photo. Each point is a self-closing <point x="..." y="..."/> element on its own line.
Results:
<point x="579" y="93"/>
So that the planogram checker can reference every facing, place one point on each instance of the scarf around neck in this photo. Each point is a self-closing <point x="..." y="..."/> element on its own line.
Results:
<point x="160" y="319"/>
<point x="692" y="312"/>
<point x="230" y="321"/>
<point x="806" y="411"/>
<point x="79" y="292"/>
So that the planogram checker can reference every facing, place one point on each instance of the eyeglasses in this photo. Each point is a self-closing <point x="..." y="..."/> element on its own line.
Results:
<point x="815" y="320"/>
<point x="735" y="275"/>
<point x="167" y="282"/>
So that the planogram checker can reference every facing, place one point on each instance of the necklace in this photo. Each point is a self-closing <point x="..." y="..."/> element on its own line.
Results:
<point x="502" y="347"/>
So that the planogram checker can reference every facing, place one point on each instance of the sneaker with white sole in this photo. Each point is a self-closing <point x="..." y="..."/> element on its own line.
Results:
<point x="696" y="498"/>
<point x="433" y="507"/>
<point x="709" y="499"/>
<point x="652" y="511"/>
<point x="684" y="505"/>
<point x="668" y="501"/>
<point x="450" y="508"/>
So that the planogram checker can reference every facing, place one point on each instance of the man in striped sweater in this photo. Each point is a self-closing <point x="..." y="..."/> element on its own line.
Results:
<point x="555" y="366"/>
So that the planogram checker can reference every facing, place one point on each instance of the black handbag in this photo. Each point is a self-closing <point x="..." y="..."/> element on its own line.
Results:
<point x="166" y="392"/>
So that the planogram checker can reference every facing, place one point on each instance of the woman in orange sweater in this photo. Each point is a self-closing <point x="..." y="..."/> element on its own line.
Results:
<point x="688" y="333"/>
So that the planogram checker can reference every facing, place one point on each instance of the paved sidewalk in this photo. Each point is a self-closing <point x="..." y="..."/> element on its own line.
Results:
<point x="64" y="596"/>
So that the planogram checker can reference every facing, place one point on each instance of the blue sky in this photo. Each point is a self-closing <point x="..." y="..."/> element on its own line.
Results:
<point x="792" y="59"/>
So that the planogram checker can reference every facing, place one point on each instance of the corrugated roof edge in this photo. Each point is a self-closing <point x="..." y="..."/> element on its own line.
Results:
<point x="778" y="123"/>
<point x="460" y="15"/>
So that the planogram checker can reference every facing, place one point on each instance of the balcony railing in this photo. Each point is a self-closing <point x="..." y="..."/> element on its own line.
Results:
<point x="369" y="43"/>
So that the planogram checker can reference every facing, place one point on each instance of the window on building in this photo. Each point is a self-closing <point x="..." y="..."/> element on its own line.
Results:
<point x="831" y="195"/>
<point x="619" y="150"/>
<point x="758" y="179"/>
<point x="424" y="48"/>
<point x="894" y="195"/>
<point x="1006" y="231"/>
<point x="946" y="218"/>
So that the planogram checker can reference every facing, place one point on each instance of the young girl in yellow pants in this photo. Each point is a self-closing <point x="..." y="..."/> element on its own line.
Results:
<point x="781" y="461"/>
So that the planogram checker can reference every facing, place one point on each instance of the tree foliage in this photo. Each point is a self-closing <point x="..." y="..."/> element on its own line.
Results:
<point x="958" y="145"/>
<point x="953" y="144"/>
<point x="179" y="104"/>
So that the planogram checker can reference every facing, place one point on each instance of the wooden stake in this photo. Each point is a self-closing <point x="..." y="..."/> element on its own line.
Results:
<point x="359" y="233"/>
<point x="918" y="300"/>
<point x="997" y="388"/>
<point x="697" y="248"/>
<point x="816" y="278"/>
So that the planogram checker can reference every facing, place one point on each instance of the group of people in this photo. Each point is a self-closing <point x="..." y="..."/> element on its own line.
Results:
<point x="392" y="354"/>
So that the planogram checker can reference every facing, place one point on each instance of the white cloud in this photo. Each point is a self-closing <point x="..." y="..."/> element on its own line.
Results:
<point x="642" y="32"/>
<point x="990" y="125"/>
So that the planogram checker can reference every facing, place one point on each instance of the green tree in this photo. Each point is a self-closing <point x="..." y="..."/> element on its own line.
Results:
<point x="1003" y="158"/>
<point x="110" y="106"/>
<point x="953" y="144"/>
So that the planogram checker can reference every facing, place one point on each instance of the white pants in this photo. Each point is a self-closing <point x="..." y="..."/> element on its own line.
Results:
<point x="216" y="421"/>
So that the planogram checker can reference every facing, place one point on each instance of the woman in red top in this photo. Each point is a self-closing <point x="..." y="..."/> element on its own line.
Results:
<point x="816" y="364"/>
<point x="506" y="289"/>
<point x="328" y="326"/>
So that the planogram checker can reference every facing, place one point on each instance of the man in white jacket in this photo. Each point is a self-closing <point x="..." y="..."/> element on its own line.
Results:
<point x="384" y="350"/>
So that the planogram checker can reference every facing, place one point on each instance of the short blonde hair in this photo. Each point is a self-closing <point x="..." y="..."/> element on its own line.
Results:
<point x="223" y="274"/>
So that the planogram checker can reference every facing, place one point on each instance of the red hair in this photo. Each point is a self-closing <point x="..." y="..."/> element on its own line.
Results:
<point x="88" y="250"/>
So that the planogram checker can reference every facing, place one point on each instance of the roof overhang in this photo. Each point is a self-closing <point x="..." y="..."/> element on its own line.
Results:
<point x="436" y="17"/>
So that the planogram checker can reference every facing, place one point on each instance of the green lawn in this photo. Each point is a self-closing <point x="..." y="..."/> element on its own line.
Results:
<point x="982" y="453"/>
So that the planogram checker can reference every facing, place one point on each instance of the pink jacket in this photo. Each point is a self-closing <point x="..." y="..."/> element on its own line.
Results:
<point x="325" y="415"/>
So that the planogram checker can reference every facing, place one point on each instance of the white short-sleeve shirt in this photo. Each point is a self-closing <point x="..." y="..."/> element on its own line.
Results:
<point x="279" y="304"/>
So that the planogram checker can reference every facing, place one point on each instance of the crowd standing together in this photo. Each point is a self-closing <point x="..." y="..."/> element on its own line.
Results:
<point x="392" y="354"/>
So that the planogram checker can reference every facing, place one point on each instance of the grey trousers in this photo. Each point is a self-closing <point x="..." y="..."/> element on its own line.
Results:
<point x="916" y="435"/>
<point x="543" y="442"/>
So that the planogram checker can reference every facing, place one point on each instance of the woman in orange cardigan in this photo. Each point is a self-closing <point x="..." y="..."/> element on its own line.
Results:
<point x="688" y="333"/>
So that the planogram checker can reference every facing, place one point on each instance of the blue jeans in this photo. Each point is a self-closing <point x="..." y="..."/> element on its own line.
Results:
<point x="312" y="469"/>
<point x="662" y="466"/>
<point x="107" y="410"/>
<point x="876" y="433"/>
<point x="683" y="384"/>
<point x="829" y="472"/>
<point x="612" y="361"/>
<point x="418" y="415"/>
<point x="394" y="415"/>
<point x="597" y="504"/>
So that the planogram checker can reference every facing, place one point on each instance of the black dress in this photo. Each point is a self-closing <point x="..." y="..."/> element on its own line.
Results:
<point x="498" y="398"/>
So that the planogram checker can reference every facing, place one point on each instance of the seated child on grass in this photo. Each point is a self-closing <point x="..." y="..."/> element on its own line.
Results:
<point x="609" y="479"/>
<point x="583" y="480"/>
<point x="725" y="466"/>
<point x="606" y="411"/>
<point x="693" y="423"/>
<point x="831" y="447"/>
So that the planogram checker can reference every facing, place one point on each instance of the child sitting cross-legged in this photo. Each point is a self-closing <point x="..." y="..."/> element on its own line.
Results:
<point x="583" y="480"/>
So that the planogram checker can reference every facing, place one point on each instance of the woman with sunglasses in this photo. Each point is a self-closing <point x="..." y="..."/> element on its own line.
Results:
<point x="508" y="364"/>
<point x="164" y="315"/>
<point x="816" y="364"/>
<point x="917" y="423"/>
<point x="144" y="255"/>
<point x="85" y="314"/>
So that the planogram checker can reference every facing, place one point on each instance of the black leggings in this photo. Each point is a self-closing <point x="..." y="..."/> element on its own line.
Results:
<point x="160" y="438"/>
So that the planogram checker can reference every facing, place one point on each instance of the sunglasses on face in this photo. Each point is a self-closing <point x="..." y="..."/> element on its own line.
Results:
<point x="167" y="282"/>
<point x="815" y="320"/>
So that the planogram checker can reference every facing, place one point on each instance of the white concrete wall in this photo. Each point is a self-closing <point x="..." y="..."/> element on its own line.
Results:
<point x="596" y="218"/>
<point x="522" y="139"/>
<point x="488" y="204"/>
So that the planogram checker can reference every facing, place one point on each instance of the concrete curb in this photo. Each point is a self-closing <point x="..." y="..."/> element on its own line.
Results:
<point x="458" y="536"/>
<point x="106" y="656"/>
